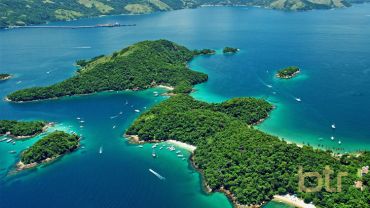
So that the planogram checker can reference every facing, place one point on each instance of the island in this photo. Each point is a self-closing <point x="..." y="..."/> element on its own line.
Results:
<point x="230" y="50"/>
<point x="288" y="72"/>
<point x="249" y="166"/>
<point x="140" y="66"/>
<point x="22" y="129"/>
<point x="19" y="13"/>
<point x="205" y="52"/>
<point x="5" y="77"/>
<point x="48" y="149"/>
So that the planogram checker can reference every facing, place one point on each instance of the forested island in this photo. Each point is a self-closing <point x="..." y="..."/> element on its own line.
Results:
<point x="20" y="12"/>
<point x="22" y="129"/>
<point x="248" y="165"/>
<point x="47" y="149"/>
<point x="288" y="72"/>
<point x="5" y="76"/>
<point x="140" y="66"/>
<point x="230" y="50"/>
<point x="205" y="52"/>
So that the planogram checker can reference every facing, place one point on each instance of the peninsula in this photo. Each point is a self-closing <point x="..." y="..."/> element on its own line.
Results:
<point x="5" y="76"/>
<point x="48" y="149"/>
<point x="140" y="66"/>
<point x="288" y="72"/>
<point x="249" y="166"/>
<point x="22" y="129"/>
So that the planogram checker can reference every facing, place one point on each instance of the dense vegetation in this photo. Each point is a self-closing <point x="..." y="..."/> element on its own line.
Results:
<point x="21" y="128"/>
<point x="21" y="12"/>
<point x="140" y="66"/>
<point x="250" y="164"/>
<point x="188" y="120"/>
<point x="51" y="146"/>
<point x="4" y="76"/>
<point x="287" y="72"/>
<point x="229" y="50"/>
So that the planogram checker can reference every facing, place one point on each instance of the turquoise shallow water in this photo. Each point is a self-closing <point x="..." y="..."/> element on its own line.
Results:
<point x="331" y="47"/>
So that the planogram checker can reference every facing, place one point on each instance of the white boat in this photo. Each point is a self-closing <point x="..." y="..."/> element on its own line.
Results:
<point x="339" y="142"/>
<point x="180" y="155"/>
<point x="269" y="86"/>
<point x="141" y="146"/>
<point x="126" y="102"/>
<point x="333" y="126"/>
<point x="161" y="148"/>
<point x="78" y="118"/>
<point x="154" y="155"/>
<point x="178" y="152"/>
<point x="13" y="142"/>
<point x="121" y="113"/>
<point x="172" y="148"/>
<point x="157" y="174"/>
<point x="3" y="139"/>
<point x="12" y="152"/>
<point x="332" y="137"/>
<point x="9" y="140"/>
<point x="137" y="111"/>
<point x="82" y="121"/>
<point x="298" y="99"/>
<point x="81" y="126"/>
<point x="154" y="146"/>
<point x="114" y="127"/>
<point x="101" y="150"/>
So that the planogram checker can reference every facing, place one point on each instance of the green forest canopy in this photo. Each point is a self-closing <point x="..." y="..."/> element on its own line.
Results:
<point x="50" y="146"/>
<point x="140" y="66"/>
<point x="21" y="128"/>
<point x="251" y="164"/>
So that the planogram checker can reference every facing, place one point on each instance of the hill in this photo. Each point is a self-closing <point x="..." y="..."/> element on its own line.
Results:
<point x="140" y="66"/>
<point x="20" y="12"/>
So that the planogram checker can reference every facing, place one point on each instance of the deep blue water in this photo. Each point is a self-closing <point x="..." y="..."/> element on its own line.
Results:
<point x="331" y="47"/>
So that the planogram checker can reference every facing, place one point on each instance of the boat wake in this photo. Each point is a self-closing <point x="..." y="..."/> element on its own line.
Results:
<point x="82" y="47"/>
<point x="157" y="174"/>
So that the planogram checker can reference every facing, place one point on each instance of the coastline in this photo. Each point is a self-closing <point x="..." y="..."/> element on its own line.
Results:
<point x="292" y="200"/>
<point x="87" y="94"/>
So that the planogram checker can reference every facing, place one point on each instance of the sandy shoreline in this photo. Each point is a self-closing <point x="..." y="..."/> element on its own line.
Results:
<point x="292" y="200"/>
<point x="190" y="148"/>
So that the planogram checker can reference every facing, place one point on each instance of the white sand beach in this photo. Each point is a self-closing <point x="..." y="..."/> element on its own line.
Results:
<point x="293" y="200"/>
<point x="188" y="147"/>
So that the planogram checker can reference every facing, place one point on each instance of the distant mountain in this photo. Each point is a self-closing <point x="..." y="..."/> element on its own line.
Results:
<point x="22" y="12"/>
